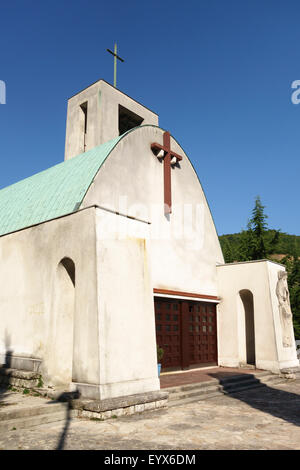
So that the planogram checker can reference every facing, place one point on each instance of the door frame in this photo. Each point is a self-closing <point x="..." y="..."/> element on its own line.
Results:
<point x="183" y="298"/>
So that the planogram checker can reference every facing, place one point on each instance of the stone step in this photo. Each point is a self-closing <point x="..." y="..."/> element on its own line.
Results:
<point x="209" y="383"/>
<point x="212" y="394"/>
<point x="19" y="378"/>
<point x="237" y="378"/>
<point x="228" y="385"/>
<point x="266" y="377"/>
<point x="206" y="388"/>
<point x="190" y="387"/>
<point x="184" y="401"/>
<point x="242" y="387"/>
<point x="233" y="379"/>
<point x="30" y="421"/>
<point x="19" y="411"/>
<point x="17" y="373"/>
<point x="23" y="412"/>
<point x="195" y="392"/>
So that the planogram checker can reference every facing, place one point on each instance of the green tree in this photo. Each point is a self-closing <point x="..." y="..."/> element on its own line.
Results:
<point x="257" y="226"/>
<point x="227" y="251"/>
<point x="246" y="245"/>
<point x="257" y="242"/>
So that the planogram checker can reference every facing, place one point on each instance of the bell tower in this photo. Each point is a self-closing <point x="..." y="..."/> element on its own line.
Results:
<point x="100" y="113"/>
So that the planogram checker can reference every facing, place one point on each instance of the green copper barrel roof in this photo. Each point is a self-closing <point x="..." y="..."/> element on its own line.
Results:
<point x="55" y="192"/>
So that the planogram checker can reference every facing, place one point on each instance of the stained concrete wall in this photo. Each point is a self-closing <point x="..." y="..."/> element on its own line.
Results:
<point x="127" y="345"/>
<point x="37" y="320"/>
<point x="184" y="246"/>
<point x="94" y="331"/>
<point x="260" y="279"/>
<point x="103" y="102"/>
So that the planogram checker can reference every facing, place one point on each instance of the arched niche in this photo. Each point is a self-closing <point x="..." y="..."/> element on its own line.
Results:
<point x="60" y="359"/>
<point x="247" y="304"/>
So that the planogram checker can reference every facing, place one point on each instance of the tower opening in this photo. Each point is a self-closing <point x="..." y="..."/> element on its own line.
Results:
<point x="84" y="109"/>
<point x="128" y="120"/>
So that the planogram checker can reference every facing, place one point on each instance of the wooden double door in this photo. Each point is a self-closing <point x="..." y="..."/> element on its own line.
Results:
<point x="187" y="332"/>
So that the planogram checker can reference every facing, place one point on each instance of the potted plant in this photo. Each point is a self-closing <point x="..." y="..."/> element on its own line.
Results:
<point x="160" y="353"/>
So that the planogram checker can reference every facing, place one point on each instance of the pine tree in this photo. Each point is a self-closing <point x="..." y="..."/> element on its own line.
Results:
<point x="227" y="251"/>
<point x="246" y="245"/>
<point x="257" y="227"/>
<point x="257" y="241"/>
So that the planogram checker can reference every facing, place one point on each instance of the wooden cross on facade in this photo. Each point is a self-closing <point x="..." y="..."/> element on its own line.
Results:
<point x="170" y="158"/>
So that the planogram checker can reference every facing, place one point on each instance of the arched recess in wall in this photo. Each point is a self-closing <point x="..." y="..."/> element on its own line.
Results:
<point x="62" y="324"/>
<point x="246" y="297"/>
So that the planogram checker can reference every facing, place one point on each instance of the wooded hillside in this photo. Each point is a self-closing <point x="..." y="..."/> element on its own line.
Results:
<point x="259" y="242"/>
<point x="286" y="245"/>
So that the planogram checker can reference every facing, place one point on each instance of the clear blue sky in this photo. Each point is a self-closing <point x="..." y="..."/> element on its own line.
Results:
<point x="218" y="73"/>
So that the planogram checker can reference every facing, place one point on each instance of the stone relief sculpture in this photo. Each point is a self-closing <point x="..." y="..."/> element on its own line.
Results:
<point x="282" y="292"/>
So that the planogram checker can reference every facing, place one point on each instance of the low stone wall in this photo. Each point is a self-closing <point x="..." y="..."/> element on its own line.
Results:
<point x="290" y="373"/>
<point x="19" y="379"/>
<point x="83" y="408"/>
<point x="120" y="406"/>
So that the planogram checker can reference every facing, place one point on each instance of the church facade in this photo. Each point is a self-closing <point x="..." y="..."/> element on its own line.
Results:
<point x="114" y="251"/>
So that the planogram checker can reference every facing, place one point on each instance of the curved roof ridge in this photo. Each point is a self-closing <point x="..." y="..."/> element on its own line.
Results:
<point x="58" y="190"/>
<point x="51" y="193"/>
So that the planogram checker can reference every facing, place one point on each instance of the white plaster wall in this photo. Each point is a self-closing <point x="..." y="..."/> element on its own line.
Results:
<point x="31" y="301"/>
<point x="184" y="255"/>
<point x="253" y="276"/>
<point x="102" y="117"/>
<point x="127" y="345"/>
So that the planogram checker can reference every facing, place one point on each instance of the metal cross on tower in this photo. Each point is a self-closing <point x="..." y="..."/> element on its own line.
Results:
<point x="170" y="158"/>
<point x="115" y="63"/>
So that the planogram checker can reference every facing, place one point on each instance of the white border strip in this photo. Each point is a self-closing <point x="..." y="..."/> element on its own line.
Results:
<point x="183" y="297"/>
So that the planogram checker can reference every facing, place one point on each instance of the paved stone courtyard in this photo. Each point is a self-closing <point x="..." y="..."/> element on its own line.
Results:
<point x="262" y="418"/>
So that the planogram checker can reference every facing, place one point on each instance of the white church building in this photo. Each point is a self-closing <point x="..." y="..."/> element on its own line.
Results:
<point x="114" y="251"/>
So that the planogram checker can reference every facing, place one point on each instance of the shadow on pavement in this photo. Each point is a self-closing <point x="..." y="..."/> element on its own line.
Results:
<point x="66" y="397"/>
<point x="278" y="403"/>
